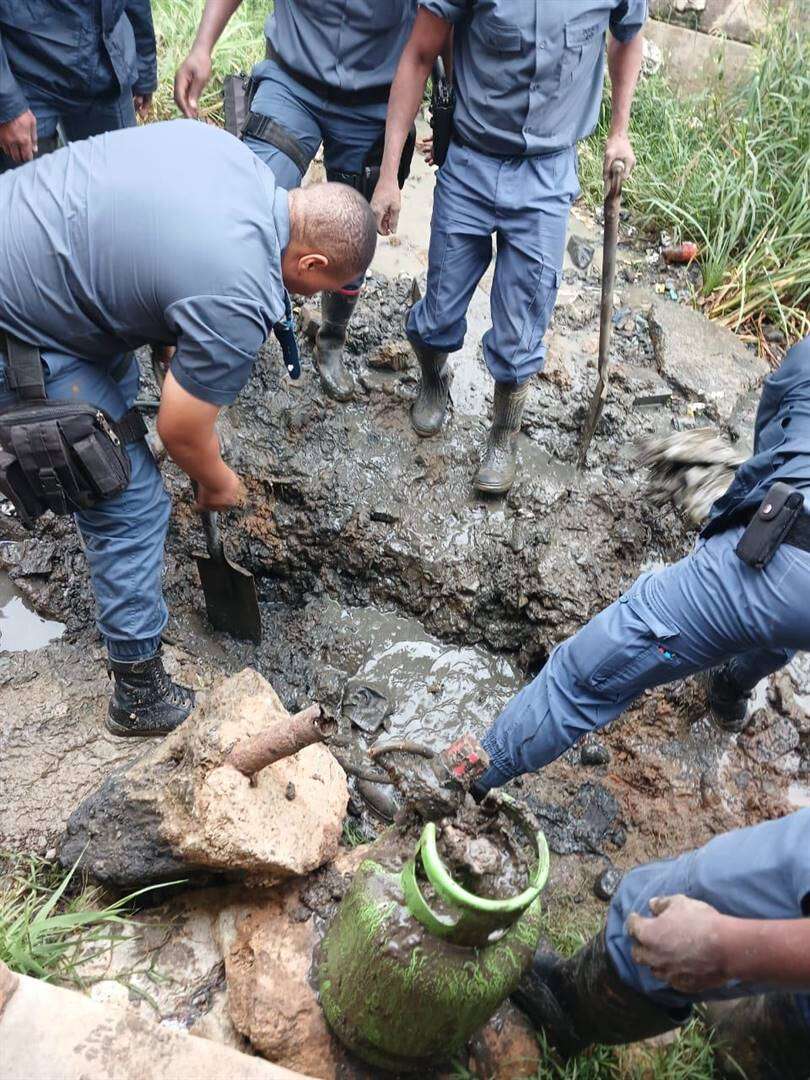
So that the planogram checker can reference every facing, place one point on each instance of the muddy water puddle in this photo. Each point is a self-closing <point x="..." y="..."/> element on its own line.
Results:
<point x="21" y="628"/>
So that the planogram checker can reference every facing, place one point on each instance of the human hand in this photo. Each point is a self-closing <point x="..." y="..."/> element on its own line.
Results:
<point x="231" y="492"/>
<point x="190" y="81"/>
<point x="18" y="137"/>
<point x="618" y="148"/>
<point x="682" y="944"/>
<point x="143" y="104"/>
<point x="425" y="148"/>
<point x="386" y="203"/>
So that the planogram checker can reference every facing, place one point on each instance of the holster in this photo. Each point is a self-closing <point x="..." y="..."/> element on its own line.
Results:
<point x="58" y="455"/>
<point x="366" y="181"/>
<point x="770" y="525"/>
<point x="442" y="107"/>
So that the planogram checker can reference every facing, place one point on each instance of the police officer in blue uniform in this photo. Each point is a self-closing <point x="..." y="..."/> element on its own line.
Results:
<point x="102" y="250"/>
<point x="326" y="79"/>
<point x="86" y="66"/>
<point x="528" y="78"/>
<point x="726" y="925"/>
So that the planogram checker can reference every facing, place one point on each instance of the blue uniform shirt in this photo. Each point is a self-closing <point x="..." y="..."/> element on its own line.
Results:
<point x="167" y="233"/>
<point x="74" y="50"/>
<point x="781" y="441"/>
<point x="348" y="44"/>
<point x="529" y="73"/>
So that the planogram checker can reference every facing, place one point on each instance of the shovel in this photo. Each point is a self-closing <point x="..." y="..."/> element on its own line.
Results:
<point x="613" y="200"/>
<point x="231" y="600"/>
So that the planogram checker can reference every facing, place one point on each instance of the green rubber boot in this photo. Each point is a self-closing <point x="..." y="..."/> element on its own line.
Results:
<point x="580" y="1002"/>
<point x="336" y="310"/>
<point x="497" y="471"/>
<point x="430" y="408"/>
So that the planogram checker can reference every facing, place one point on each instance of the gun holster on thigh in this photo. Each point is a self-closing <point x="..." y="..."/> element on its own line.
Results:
<point x="58" y="455"/>
<point x="238" y="92"/>
<point x="366" y="181"/>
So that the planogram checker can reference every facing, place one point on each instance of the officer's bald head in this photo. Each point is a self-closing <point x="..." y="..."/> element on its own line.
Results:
<point x="332" y="238"/>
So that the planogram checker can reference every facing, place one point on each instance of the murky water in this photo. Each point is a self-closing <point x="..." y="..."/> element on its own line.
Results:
<point x="20" y="626"/>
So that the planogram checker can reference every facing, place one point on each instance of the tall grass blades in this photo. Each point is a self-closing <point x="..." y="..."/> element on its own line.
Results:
<point x="730" y="169"/>
<point x="239" y="48"/>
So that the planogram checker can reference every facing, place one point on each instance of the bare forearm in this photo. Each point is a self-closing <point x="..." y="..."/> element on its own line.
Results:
<point x="624" y="65"/>
<point x="199" y="458"/>
<point x="775" y="952"/>
<point x="214" y="20"/>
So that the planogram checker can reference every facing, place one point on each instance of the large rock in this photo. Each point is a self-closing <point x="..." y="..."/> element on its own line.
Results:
<point x="182" y="809"/>
<point x="48" y="1032"/>
<point x="703" y="360"/>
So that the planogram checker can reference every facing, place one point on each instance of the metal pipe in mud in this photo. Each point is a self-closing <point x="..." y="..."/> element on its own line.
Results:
<point x="282" y="739"/>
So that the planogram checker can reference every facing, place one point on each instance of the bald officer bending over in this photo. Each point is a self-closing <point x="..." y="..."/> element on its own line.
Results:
<point x="170" y="234"/>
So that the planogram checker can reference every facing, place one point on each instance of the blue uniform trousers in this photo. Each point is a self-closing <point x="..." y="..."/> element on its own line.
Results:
<point x="79" y="119"/>
<point x="347" y="132"/>
<point x="524" y="201"/>
<point x="123" y="536"/>
<point x="708" y="608"/>
<point x="756" y="873"/>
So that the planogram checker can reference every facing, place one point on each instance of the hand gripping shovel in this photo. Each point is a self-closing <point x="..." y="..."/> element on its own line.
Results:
<point x="613" y="200"/>
<point x="231" y="600"/>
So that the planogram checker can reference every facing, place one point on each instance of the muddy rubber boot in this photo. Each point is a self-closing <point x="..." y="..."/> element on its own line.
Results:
<point x="497" y="470"/>
<point x="760" y="1038"/>
<point x="582" y="1001"/>
<point x="145" y="700"/>
<point x="729" y="704"/>
<point x="336" y="310"/>
<point x="430" y="408"/>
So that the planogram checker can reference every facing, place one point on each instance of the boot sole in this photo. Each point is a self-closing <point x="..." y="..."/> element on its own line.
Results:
<point x="122" y="731"/>
<point x="493" y="489"/>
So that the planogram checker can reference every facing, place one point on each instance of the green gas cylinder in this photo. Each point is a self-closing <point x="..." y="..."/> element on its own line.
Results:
<point x="413" y="964"/>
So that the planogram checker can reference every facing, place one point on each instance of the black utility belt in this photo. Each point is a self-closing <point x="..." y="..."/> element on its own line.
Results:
<point x="456" y="138"/>
<point x="62" y="456"/>
<point x="779" y="519"/>
<point x="371" y="95"/>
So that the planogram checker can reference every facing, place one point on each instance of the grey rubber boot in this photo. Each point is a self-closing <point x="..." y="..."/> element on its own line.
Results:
<point x="336" y="310"/>
<point x="760" y="1038"/>
<point x="580" y="1002"/>
<point x="728" y="703"/>
<point x="497" y="470"/>
<point x="430" y="408"/>
<point x="145" y="700"/>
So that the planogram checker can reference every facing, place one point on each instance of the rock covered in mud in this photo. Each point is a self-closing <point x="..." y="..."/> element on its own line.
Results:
<point x="183" y="810"/>
<point x="607" y="883"/>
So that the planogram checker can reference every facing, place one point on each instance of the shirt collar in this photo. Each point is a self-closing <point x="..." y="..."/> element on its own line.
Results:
<point x="281" y="216"/>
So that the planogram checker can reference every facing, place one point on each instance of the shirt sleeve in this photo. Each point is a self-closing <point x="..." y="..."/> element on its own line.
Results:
<point x="139" y="13"/>
<point x="451" y="11"/>
<point x="12" y="99"/>
<point x="217" y="341"/>
<point x="627" y="19"/>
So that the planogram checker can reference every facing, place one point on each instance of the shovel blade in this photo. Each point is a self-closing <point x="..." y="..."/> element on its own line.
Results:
<point x="231" y="600"/>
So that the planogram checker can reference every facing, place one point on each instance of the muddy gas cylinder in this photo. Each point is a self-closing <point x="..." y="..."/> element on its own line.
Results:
<point x="413" y="964"/>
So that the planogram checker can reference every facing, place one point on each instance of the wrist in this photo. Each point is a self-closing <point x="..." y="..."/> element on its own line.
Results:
<point x="725" y="945"/>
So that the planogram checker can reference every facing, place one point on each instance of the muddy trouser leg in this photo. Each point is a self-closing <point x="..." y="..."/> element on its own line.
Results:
<point x="755" y="873"/>
<point x="691" y="616"/>
<point x="123" y="536"/>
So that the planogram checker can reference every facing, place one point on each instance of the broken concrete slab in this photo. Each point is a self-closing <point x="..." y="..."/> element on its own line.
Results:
<point x="46" y="1031"/>
<point x="703" y="360"/>
<point x="693" y="61"/>
<point x="741" y="20"/>
<point x="183" y="809"/>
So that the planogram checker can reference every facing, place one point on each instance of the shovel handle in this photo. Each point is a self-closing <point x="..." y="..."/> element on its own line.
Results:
<point x="615" y="179"/>
<point x="213" y="540"/>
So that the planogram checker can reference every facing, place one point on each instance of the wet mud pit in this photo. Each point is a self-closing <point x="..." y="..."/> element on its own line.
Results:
<point x="409" y="607"/>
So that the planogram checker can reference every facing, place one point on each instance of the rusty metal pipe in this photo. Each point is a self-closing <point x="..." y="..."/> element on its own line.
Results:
<point x="282" y="739"/>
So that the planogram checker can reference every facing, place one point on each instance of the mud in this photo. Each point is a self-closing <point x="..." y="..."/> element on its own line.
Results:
<point x="21" y="628"/>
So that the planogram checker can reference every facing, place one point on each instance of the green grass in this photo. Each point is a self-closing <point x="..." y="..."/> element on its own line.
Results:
<point x="50" y="926"/>
<point x="729" y="169"/>
<point x="239" y="48"/>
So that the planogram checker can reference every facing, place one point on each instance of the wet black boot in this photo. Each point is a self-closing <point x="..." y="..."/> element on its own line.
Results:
<point x="497" y="471"/>
<point x="145" y="701"/>
<point x="336" y="310"/>
<point x="430" y="408"/>
<point x="582" y="1001"/>
<point x="760" y="1038"/>
<point x="728" y="703"/>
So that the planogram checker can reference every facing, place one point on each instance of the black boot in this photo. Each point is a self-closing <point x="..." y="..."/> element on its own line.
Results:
<point x="336" y="310"/>
<point x="497" y="470"/>
<point x="430" y="408"/>
<point x="760" y="1038"/>
<point x="728" y="703"/>
<point x="582" y="1001"/>
<point x="145" y="701"/>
